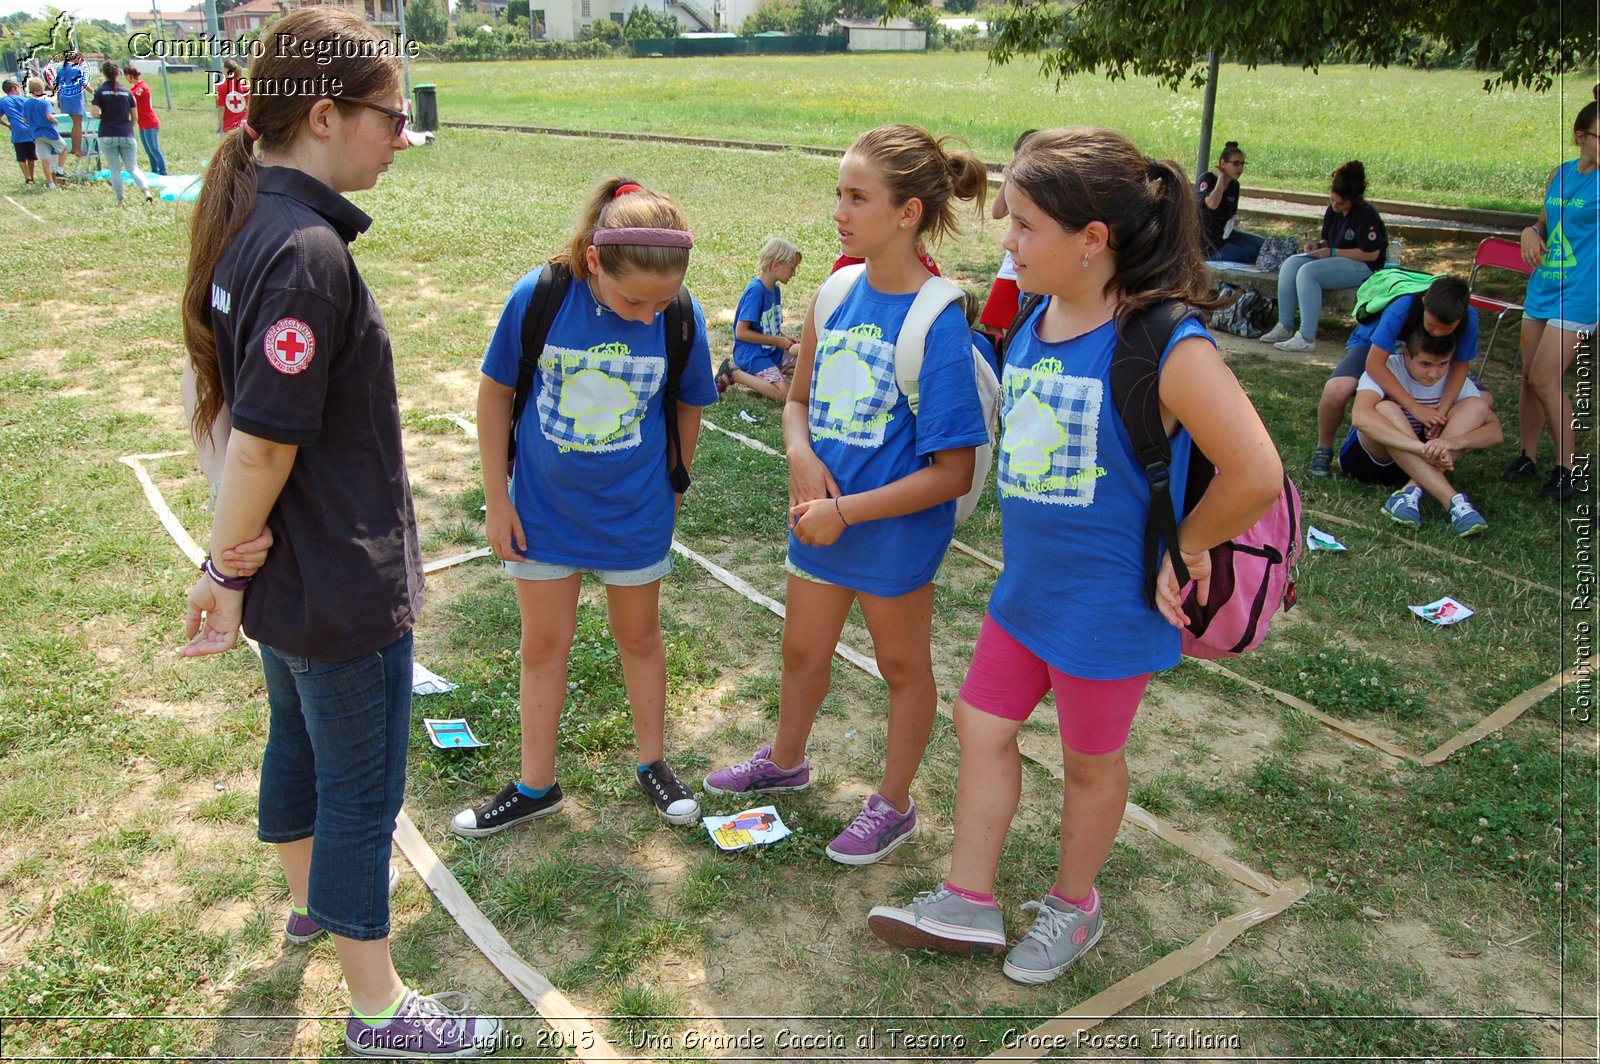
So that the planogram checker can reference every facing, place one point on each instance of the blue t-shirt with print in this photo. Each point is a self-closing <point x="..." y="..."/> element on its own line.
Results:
<point x="863" y="430"/>
<point x="1384" y="333"/>
<point x="70" y="83"/>
<point x="590" y="481"/>
<point x="1565" y="286"/>
<point x="40" y="118"/>
<point x="1073" y="503"/>
<point x="763" y="307"/>
<point x="14" y="107"/>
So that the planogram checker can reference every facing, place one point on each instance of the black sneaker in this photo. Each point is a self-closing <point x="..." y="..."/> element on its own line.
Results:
<point x="1321" y="462"/>
<point x="1559" y="486"/>
<point x="507" y="809"/>
<point x="1521" y="469"/>
<point x="673" y="801"/>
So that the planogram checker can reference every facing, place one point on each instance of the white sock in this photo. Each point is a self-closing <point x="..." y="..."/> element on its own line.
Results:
<point x="1459" y="499"/>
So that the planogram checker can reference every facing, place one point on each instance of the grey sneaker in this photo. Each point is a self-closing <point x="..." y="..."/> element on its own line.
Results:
<point x="1278" y="332"/>
<point x="431" y="1026"/>
<point x="1060" y="934"/>
<point x="1322" y="462"/>
<point x="942" y="920"/>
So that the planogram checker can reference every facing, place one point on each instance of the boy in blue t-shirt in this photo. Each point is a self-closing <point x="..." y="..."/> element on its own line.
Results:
<point x="13" y="118"/>
<point x="1443" y="310"/>
<point x="762" y="356"/>
<point x="1390" y="445"/>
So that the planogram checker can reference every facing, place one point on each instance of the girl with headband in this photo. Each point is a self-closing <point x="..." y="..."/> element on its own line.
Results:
<point x="284" y="337"/>
<point x="589" y="485"/>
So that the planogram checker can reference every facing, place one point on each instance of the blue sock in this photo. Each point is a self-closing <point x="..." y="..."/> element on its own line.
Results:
<point x="644" y="767"/>
<point x="528" y="792"/>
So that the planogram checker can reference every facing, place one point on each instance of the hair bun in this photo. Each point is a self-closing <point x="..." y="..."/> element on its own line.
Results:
<point x="1230" y="145"/>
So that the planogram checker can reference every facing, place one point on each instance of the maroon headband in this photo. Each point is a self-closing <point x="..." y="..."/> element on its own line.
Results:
<point x="653" y="238"/>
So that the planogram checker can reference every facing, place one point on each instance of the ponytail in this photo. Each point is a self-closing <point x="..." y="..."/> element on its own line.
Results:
<point x="915" y="165"/>
<point x="1081" y="175"/>
<point x="109" y="69"/>
<point x="275" y="119"/>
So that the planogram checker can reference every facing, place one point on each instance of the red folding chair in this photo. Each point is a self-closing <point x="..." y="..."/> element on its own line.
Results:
<point x="1499" y="253"/>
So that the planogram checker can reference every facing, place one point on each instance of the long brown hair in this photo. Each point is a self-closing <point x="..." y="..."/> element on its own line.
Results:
<point x="1081" y="175"/>
<point x="914" y="164"/>
<point x="637" y="207"/>
<point x="229" y="194"/>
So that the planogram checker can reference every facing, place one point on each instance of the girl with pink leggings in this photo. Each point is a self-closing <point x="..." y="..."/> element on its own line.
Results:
<point x="1102" y="233"/>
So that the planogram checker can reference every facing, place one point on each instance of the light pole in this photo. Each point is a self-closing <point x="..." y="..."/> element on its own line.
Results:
<point x="165" y="86"/>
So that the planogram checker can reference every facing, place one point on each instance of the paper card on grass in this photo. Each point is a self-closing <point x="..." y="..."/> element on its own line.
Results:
<point x="1445" y="611"/>
<point x="453" y="734"/>
<point x="745" y="415"/>
<point x="1317" y="539"/>
<point x="425" y="681"/>
<point x="753" y="827"/>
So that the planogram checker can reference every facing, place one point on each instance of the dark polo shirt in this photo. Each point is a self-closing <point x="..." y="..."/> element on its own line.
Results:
<point x="1361" y="229"/>
<point x="305" y="360"/>
<point x="1213" y="222"/>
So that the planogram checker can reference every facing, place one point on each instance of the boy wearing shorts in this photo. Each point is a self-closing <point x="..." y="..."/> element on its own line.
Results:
<point x="762" y="356"/>
<point x="1388" y="445"/>
<point x="12" y="117"/>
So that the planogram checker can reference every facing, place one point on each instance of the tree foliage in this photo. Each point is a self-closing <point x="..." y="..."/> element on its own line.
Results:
<point x="427" y="21"/>
<point x="645" y="24"/>
<point x="1520" y="44"/>
<point x="804" y="18"/>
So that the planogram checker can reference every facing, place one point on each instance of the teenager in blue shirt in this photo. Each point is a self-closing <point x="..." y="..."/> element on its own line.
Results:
<point x="590" y="489"/>
<point x="47" y="142"/>
<point x="872" y="486"/>
<point x="1102" y="232"/>
<point x="13" y="112"/>
<point x="71" y="82"/>
<point x="762" y="356"/>
<point x="1442" y="310"/>
<point x="1562" y="307"/>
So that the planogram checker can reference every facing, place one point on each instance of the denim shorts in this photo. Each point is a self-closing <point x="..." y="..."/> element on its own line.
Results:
<point x="1568" y="325"/>
<point x="533" y="570"/>
<point x="335" y="772"/>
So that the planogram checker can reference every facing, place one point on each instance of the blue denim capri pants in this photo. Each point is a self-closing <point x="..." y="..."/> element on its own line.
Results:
<point x="335" y="772"/>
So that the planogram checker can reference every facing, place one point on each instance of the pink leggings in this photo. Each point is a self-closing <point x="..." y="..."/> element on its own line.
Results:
<point x="1008" y="680"/>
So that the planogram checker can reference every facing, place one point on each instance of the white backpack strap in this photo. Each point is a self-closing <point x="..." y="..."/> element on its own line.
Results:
<point x="832" y="293"/>
<point x="936" y="294"/>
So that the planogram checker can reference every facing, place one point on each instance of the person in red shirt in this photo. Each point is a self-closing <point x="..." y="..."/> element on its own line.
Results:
<point x="233" y="97"/>
<point x="149" y="124"/>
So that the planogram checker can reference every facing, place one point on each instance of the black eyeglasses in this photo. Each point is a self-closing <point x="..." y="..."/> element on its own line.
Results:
<point x="1586" y="133"/>
<point x="400" y="117"/>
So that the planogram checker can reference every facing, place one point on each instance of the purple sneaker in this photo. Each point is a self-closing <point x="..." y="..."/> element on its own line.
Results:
<point x="425" y="1027"/>
<point x="876" y="833"/>
<point x="300" y="928"/>
<point x="759" y="775"/>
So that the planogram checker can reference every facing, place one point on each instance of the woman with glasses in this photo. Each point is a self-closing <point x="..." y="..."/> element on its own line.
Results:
<point x="284" y="336"/>
<point x="1562" y="306"/>
<point x="1218" y="193"/>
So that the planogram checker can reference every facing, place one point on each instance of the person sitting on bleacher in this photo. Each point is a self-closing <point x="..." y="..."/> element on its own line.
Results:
<point x="1441" y="310"/>
<point x="1351" y="246"/>
<point x="1218" y="193"/>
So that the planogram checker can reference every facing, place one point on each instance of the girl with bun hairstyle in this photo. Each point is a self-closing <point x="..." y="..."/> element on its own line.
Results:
<point x="1351" y="247"/>
<point x="1218" y="193"/>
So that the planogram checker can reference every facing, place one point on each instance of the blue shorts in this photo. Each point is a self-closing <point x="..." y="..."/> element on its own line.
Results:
<point x="1568" y="325"/>
<point x="536" y="570"/>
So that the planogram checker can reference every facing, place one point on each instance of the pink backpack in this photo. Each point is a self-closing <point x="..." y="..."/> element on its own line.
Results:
<point x="1252" y="575"/>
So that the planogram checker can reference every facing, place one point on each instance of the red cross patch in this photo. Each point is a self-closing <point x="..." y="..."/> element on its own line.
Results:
<point x="289" y="345"/>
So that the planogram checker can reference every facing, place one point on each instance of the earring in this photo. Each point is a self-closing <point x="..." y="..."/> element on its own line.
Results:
<point x="902" y="225"/>
<point x="1086" y="262"/>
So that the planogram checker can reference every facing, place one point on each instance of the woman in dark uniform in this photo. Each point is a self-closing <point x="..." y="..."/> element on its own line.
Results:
<point x="284" y="336"/>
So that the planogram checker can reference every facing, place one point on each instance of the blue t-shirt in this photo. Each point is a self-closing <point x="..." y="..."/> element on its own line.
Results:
<point x="763" y="307"/>
<point x="1384" y="333"/>
<point x="14" y="107"/>
<point x="1566" y="284"/>
<point x="863" y="430"/>
<point x="40" y="117"/>
<point x="1073" y="503"/>
<point x="590" y="482"/>
<point x="70" y="83"/>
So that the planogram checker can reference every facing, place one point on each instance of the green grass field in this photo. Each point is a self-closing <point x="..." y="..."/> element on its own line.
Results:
<point x="1453" y="909"/>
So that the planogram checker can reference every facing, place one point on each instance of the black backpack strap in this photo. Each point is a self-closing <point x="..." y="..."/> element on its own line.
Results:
<point x="548" y="292"/>
<point x="1135" y="390"/>
<point x="680" y="341"/>
<point x="1030" y="302"/>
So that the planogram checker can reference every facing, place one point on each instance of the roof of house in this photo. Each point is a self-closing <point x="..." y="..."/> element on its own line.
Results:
<point x="254" y="7"/>
<point x="874" y="24"/>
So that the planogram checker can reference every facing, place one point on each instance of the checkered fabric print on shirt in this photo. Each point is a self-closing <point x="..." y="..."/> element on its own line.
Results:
<point x="853" y="391"/>
<point x="1049" y="431"/>
<point x="595" y="400"/>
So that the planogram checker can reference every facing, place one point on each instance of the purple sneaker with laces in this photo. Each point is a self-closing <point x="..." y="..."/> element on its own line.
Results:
<point x="876" y="833"/>
<point x="300" y="928"/>
<point x="425" y="1026"/>
<point x="759" y="775"/>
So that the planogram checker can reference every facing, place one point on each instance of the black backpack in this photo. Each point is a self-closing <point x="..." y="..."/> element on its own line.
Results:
<point x="548" y="292"/>
<point x="1135" y="376"/>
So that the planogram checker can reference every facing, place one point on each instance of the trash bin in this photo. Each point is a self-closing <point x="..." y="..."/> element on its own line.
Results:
<point x="427" y="109"/>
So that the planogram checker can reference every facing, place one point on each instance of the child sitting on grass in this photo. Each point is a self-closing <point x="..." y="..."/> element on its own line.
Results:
<point x="763" y="358"/>
<point x="1388" y="445"/>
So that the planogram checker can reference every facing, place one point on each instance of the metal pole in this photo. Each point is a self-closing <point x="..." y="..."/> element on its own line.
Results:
<point x="1206" y="115"/>
<point x="405" y="54"/>
<point x="166" y="87"/>
<point x="214" y="32"/>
